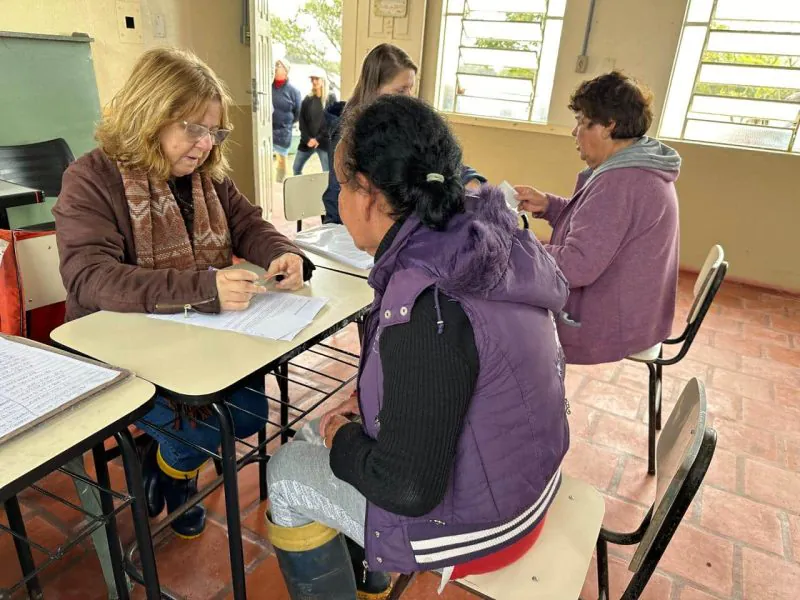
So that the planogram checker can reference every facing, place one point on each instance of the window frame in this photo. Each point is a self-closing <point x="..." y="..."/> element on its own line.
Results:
<point x="682" y="102"/>
<point x="537" y="112"/>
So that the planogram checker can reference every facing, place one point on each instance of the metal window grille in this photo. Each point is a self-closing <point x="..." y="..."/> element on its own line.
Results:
<point x="498" y="57"/>
<point x="736" y="78"/>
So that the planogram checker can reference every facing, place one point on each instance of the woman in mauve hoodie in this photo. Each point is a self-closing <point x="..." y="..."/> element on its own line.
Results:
<point x="616" y="240"/>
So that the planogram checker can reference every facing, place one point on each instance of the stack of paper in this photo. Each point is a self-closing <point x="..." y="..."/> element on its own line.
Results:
<point x="272" y="315"/>
<point x="35" y="383"/>
<point x="334" y="242"/>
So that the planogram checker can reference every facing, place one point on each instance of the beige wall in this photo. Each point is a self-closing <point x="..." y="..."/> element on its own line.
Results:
<point x="210" y="28"/>
<point x="747" y="200"/>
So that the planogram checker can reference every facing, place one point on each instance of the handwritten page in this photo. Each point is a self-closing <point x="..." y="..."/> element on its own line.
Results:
<point x="35" y="382"/>
<point x="334" y="242"/>
<point x="270" y="315"/>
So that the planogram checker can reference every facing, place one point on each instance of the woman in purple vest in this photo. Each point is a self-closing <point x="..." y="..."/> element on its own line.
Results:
<point x="460" y="422"/>
<point x="616" y="239"/>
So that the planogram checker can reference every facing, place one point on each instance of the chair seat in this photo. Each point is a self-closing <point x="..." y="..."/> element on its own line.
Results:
<point x="556" y="566"/>
<point x="648" y="355"/>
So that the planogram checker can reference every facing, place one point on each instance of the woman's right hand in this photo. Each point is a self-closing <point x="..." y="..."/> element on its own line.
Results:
<point x="531" y="199"/>
<point x="347" y="408"/>
<point x="236" y="287"/>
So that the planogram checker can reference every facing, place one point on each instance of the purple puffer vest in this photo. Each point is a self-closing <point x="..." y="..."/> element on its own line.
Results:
<point x="515" y="435"/>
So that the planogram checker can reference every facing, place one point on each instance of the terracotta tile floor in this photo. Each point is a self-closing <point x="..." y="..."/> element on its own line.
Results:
<point x="740" y="541"/>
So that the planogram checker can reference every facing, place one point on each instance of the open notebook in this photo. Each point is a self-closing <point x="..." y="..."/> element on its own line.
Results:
<point x="37" y="382"/>
<point x="334" y="242"/>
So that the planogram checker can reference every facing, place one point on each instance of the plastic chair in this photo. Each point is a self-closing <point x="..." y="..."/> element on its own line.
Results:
<point x="39" y="165"/>
<point x="302" y="197"/>
<point x="555" y="568"/>
<point x="705" y="290"/>
<point x="37" y="257"/>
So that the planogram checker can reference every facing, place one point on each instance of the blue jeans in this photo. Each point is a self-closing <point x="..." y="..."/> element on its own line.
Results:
<point x="181" y="457"/>
<point x="302" y="158"/>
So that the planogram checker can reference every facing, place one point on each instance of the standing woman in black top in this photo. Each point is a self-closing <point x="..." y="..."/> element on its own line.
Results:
<point x="314" y="137"/>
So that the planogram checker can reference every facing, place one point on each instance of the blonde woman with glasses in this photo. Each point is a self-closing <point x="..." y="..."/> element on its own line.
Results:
<point x="147" y="221"/>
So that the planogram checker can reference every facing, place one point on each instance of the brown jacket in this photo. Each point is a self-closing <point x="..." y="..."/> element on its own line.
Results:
<point x="98" y="258"/>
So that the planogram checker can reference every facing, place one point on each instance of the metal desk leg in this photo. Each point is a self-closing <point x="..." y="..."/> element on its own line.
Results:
<point x="112" y="535"/>
<point x="231" y="484"/>
<point x="17" y="525"/>
<point x="141" y="522"/>
<point x="262" y="463"/>
<point x="283" y="386"/>
<point x="360" y="327"/>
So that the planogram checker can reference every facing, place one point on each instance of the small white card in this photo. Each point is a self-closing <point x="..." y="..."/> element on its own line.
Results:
<point x="510" y="195"/>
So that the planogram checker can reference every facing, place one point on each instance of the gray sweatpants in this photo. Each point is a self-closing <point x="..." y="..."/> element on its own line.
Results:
<point x="303" y="489"/>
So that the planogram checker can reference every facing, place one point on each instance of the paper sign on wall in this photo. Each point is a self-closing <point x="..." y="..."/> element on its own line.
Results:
<point x="390" y="8"/>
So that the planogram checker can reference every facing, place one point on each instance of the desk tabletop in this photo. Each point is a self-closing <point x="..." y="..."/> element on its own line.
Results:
<point x="8" y="189"/>
<point x="32" y="215"/>
<point x="197" y="361"/>
<point x="55" y="437"/>
<point x="334" y="265"/>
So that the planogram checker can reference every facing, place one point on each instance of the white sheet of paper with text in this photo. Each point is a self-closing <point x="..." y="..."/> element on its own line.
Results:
<point x="277" y="316"/>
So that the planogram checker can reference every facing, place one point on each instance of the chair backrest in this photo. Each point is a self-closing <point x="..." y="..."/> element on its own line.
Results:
<point x="684" y="452"/>
<point x="31" y="292"/>
<point x="302" y="196"/>
<point x="704" y="286"/>
<point x="39" y="165"/>
<point x="39" y="271"/>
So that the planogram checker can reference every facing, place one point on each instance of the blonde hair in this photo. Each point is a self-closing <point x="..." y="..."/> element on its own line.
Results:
<point x="166" y="85"/>
<point x="323" y="90"/>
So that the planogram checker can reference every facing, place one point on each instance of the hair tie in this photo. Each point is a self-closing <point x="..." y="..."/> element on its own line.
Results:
<point x="435" y="177"/>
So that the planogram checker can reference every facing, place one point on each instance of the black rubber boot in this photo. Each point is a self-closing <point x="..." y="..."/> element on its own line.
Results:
<point x="371" y="585"/>
<point x="176" y="487"/>
<point x="314" y="562"/>
<point x="151" y="475"/>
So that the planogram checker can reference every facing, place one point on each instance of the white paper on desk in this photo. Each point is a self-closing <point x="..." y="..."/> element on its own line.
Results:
<point x="35" y="382"/>
<point x="334" y="242"/>
<point x="272" y="315"/>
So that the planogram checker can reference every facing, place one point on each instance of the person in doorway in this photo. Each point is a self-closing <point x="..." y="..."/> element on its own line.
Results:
<point x="456" y="455"/>
<point x="616" y="238"/>
<point x="286" y="103"/>
<point x="387" y="69"/>
<point x="314" y="138"/>
<point x="147" y="222"/>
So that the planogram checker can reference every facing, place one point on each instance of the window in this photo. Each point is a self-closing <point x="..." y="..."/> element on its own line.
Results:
<point x="498" y="57"/>
<point x="736" y="79"/>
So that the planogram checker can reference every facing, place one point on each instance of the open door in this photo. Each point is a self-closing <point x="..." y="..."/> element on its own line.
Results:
<point x="261" y="74"/>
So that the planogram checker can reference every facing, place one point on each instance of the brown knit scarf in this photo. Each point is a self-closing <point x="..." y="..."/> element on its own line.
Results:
<point x="159" y="233"/>
<point x="161" y="239"/>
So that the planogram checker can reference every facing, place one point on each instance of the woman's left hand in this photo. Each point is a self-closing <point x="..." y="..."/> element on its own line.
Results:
<point x="335" y="424"/>
<point x="289" y="265"/>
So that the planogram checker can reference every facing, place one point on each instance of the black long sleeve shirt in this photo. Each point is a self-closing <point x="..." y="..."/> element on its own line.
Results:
<point x="428" y="382"/>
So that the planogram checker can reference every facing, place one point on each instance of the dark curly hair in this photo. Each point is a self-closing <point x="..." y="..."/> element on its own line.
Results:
<point x="396" y="142"/>
<point x="615" y="97"/>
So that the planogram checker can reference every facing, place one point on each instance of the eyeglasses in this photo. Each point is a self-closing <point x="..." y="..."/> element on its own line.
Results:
<point x="196" y="132"/>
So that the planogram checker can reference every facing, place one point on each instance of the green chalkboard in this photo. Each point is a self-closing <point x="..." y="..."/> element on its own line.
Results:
<point x="47" y="90"/>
